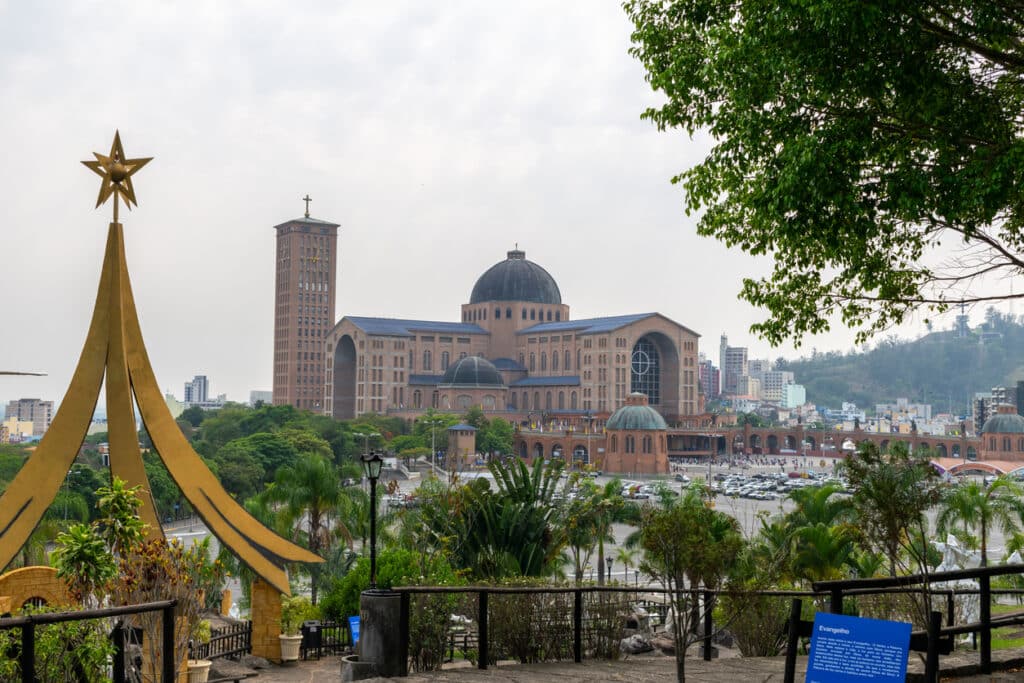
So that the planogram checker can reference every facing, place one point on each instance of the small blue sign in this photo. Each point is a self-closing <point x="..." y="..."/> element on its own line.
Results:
<point x="353" y="626"/>
<point x="852" y="649"/>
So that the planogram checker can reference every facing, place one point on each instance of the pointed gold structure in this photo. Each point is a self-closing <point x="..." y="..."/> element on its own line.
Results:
<point x="114" y="347"/>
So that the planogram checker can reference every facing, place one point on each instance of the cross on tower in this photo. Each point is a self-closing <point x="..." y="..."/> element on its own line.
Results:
<point x="307" y="200"/>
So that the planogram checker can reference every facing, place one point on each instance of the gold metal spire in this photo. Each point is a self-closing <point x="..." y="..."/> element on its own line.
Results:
<point x="116" y="172"/>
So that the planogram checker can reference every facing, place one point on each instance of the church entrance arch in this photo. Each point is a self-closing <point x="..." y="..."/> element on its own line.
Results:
<point x="654" y="369"/>
<point x="344" y="406"/>
<point x="580" y="455"/>
<point x="773" y="444"/>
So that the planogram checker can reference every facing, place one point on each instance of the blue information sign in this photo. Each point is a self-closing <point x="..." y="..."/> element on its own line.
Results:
<point x="353" y="626"/>
<point x="852" y="650"/>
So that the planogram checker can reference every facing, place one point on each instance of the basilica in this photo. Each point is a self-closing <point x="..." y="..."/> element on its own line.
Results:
<point x="516" y="352"/>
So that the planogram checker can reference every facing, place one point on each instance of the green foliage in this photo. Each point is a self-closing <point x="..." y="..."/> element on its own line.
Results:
<point x="892" y="492"/>
<point x="395" y="567"/>
<point x="977" y="506"/>
<point x="85" y="563"/>
<point x="496" y="437"/>
<point x="11" y="460"/>
<point x="854" y="143"/>
<point x="295" y="610"/>
<point x="72" y="650"/>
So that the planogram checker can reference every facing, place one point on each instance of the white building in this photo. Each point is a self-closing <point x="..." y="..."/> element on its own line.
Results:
<point x="793" y="395"/>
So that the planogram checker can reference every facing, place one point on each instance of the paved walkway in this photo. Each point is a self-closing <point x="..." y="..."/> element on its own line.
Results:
<point x="652" y="668"/>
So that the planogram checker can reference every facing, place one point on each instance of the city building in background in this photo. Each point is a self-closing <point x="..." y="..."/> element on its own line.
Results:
<point x="34" y="410"/>
<point x="197" y="390"/>
<point x="304" y="306"/>
<point x="732" y="362"/>
<point x="257" y="397"/>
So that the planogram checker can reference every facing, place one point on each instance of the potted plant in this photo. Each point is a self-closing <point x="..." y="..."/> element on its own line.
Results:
<point x="199" y="669"/>
<point x="294" y="611"/>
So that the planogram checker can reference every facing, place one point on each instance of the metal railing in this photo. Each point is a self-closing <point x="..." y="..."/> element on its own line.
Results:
<point x="28" y="624"/>
<point x="229" y="641"/>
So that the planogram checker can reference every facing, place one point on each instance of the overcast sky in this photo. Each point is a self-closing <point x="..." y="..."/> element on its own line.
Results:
<point x="438" y="134"/>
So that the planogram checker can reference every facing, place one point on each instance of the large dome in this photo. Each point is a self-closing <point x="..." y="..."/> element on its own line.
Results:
<point x="516" y="279"/>
<point x="636" y="415"/>
<point x="472" y="371"/>
<point x="1004" y="422"/>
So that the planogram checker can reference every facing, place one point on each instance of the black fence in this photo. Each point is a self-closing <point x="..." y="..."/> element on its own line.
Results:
<point x="320" y="638"/>
<point x="27" y="647"/>
<point x="229" y="641"/>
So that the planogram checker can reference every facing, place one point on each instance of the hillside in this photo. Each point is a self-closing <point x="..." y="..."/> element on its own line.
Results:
<point x="939" y="368"/>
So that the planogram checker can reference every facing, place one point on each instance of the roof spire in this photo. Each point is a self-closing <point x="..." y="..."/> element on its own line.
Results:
<point x="307" y="200"/>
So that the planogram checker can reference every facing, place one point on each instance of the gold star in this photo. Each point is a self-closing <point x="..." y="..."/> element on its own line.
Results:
<point x="116" y="172"/>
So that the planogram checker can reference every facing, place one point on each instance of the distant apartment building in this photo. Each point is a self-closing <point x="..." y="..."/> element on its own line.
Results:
<point x="257" y="397"/>
<point x="197" y="391"/>
<point x="773" y="384"/>
<point x="13" y="430"/>
<point x="793" y="395"/>
<point x="710" y="379"/>
<point x="903" y="410"/>
<point x="756" y="367"/>
<point x="732" y="360"/>
<point x="39" y="413"/>
<point x="748" y="387"/>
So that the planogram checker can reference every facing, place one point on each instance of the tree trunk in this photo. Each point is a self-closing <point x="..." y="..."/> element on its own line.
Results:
<point x="600" y="563"/>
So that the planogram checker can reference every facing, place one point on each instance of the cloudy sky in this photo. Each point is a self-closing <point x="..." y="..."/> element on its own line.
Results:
<point x="438" y="134"/>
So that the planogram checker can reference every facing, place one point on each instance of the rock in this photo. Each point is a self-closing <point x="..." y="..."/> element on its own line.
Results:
<point x="635" y="644"/>
<point x="253" y="662"/>
<point x="667" y="646"/>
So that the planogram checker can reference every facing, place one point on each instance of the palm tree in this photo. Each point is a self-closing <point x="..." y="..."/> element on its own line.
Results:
<point x="626" y="557"/>
<point x="976" y="506"/>
<point x="309" y="492"/>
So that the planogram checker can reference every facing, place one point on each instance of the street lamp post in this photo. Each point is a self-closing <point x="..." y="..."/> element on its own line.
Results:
<point x="636" y="578"/>
<point x="371" y="468"/>
<point x="589" y="417"/>
<point x="433" y="448"/>
<point x="608" y="561"/>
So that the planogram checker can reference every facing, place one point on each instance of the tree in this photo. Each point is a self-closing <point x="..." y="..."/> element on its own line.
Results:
<point x="496" y="437"/>
<point x="892" y="492"/>
<point x="685" y="545"/>
<point x="976" y="505"/>
<point x="310" y="491"/>
<point x="872" y="150"/>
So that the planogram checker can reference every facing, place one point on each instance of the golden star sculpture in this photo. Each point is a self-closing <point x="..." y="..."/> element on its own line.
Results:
<point x="116" y="172"/>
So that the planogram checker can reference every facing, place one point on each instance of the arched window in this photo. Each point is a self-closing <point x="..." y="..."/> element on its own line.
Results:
<point x="558" y="316"/>
<point x="497" y="314"/>
<point x="427" y="364"/>
<point x="417" y="399"/>
<point x="512" y="400"/>
<point x="547" y="401"/>
<point x="411" y="358"/>
<point x="991" y="443"/>
<point x="578" y="364"/>
<point x="522" y="360"/>
<point x="524" y="314"/>
<point x="568" y="360"/>
<point x="1020" y="444"/>
<point x="543" y="360"/>
<point x="572" y="401"/>
<point x="549" y="316"/>
<point x="561" y="398"/>
<point x="508" y="313"/>
<point x="536" y="400"/>
<point x="647" y="444"/>
<point x="554" y="361"/>
<point x="483" y="313"/>
<point x="533" y="314"/>
<point x="526" y="401"/>
<point x="615" y="444"/>
<point x="630" y="443"/>
<point x="533" y="361"/>
<point x="1006" y="443"/>
<point x="445" y="359"/>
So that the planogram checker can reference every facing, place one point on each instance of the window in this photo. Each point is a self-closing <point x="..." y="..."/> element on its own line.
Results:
<point x="568" y="361"/>
<point x="554" y="361"/>
<point x="533" y="361"/>
<point x="497" y="314"/>
<point x="615" y="443"/>
<point x="561" y="399"/>
<point x="526" y="401"/>
<point x="524" y="314"/>
<point x="549" y="316"/>
<point x="445" y="360"/>
<point x="547" y="401"/>
<point x="543" y="361"/>
<point x="572" y="401"/>
<point x="558" y="316"/>
<point x="536" y="400"/>
<point x="630" y="443"/>
<point x="508" y="314"/>
<point x="647" y="444"/>
<point x="512" y="400"/>
<point x="427" y="364"/>
<point x="533" y="314"/>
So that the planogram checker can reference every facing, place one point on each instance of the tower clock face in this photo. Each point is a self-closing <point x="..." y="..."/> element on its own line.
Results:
<point x="641" y="362"/>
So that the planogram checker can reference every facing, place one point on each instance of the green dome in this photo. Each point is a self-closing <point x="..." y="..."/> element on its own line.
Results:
<point x="473" y="371"/>
<point x="636" y="415"/>
<point x="1004" y="423"/>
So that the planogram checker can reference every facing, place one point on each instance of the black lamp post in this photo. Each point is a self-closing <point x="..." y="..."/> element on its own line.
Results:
<point x="636" y="578"/>
<point x="371" y="468"/>
<point x="608" y="561"/>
